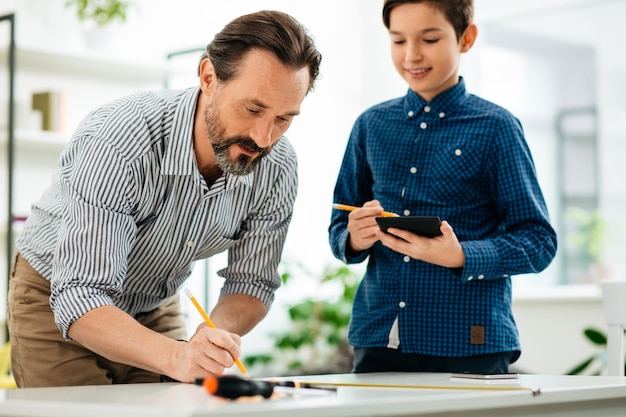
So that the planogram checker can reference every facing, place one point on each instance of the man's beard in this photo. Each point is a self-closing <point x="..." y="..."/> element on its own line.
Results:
<point x="221" y="144"/>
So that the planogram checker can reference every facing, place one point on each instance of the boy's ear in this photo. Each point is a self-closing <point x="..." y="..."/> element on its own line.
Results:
<point x="469" y="37"/>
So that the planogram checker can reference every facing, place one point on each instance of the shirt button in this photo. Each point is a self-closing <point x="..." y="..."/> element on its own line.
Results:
<point x="470" y="278"/>
<point x="458" y="152"/>
<point x="401" y="304"/>
<point x="427" y="109"/>
<point x="407" y="258"/>
<point x="190" y="243"/>
<point x="411" y="113"/>
<point x="423" y="125"/>
<point x="442" y="115"/>
<point x="407" y="212"/>
<point x="413" y="170"/>
<point x="481" y="276"/>
<point x="171" y="278"/>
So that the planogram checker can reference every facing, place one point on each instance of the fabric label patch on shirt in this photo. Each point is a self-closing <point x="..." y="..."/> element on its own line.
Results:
<point x="477" y="335"/>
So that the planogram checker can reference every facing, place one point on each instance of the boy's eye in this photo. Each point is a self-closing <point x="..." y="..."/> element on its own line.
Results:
<point x="431" y="40"/>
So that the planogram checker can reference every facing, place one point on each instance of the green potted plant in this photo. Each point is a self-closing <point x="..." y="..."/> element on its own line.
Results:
<point x="586" y="238"/>
<point x="100" y="19"/>
<point x="315" y="340"/>
<point x="595" y="364"/>
<point x="101" y="12"/>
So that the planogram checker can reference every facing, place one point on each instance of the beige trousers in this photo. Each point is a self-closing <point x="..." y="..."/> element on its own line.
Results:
<point x="41" y="357"/>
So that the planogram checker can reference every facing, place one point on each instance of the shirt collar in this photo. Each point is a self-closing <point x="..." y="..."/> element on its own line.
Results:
<point x="443" y="104"/>
<point x="179" y="157"/>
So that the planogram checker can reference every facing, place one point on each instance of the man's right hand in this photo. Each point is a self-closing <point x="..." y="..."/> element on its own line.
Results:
<point x="113" y="334"/>
<point x="209" y="352"/>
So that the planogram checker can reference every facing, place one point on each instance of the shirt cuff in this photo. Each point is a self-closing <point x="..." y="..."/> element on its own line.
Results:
<point x="73" y="303"/>
<point x="481" y="261"/>
<point x="348" y="258"/>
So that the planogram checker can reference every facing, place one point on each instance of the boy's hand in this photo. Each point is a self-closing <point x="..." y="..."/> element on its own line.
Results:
<point x="363" y="227"/>
<point x="442" y="250"/>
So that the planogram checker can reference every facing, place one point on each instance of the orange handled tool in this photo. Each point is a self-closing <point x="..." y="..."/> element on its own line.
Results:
<point x="232" y="386"/>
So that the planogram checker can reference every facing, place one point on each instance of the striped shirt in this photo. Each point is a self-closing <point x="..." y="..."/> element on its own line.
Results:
<point x="463" y="159"/>
<point x="128" y="212"/>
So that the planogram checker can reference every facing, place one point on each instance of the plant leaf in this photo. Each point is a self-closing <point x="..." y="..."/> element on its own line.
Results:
<point x="578" y="369"/>
<point x="596" y="336"/>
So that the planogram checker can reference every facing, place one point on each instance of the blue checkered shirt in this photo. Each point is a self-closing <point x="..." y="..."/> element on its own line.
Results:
<point x="466" y="160"/>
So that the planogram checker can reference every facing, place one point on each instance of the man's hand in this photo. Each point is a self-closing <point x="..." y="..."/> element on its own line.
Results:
<point x="113" y="334"/>
<point x="442" y="250"/>
<point x="209" y="352"/>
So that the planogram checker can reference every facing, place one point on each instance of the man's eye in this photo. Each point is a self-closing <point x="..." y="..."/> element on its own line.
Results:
<point x="252" y="111"/>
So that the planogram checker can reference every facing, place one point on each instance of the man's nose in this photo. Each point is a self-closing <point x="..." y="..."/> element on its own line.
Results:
<point x="262" y="131"/>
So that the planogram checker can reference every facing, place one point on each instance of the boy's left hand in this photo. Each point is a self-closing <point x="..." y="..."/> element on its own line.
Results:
<point x="442" y="250"/>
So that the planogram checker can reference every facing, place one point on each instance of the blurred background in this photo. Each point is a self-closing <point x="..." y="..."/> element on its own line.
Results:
<point x="558" y="65"/>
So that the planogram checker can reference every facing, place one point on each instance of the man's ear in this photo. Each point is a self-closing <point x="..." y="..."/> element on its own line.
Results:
<point x="208" y="79"/>
<point x="469" y="37"/>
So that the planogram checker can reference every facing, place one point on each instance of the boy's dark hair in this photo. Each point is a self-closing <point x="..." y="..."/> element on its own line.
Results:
<point x="458" y="12"/>
<point x="268" y="30"/>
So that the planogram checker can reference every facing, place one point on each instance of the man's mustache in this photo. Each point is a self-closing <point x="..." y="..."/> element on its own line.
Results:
<point x="245" y="141"/>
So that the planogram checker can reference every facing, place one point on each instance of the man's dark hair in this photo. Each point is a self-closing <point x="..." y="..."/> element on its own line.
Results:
<point x="458" y="12"/>
<point x="267" y="30"/>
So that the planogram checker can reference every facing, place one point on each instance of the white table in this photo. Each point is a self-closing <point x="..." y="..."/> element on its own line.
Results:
<point x="561" y="395"/>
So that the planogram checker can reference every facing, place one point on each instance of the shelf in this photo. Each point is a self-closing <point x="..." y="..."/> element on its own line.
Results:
<point x="582" y="293"/>
<point x="39" y="140"/>
<point x="90" y="64"/>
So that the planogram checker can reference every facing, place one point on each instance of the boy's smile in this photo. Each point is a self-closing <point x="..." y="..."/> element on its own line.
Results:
<point x="424" y="48"/>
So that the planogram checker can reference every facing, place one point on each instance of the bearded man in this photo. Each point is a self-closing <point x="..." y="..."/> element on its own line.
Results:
<point x="147" y="185"/>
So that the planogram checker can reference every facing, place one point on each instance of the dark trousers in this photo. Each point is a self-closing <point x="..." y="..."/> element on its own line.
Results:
<point x="392" y="360"/>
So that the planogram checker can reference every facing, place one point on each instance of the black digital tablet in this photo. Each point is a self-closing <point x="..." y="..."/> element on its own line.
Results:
<point x="428" y="226"/>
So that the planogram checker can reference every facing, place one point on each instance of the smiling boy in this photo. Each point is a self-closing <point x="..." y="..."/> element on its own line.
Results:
<point x="438" y="304"/>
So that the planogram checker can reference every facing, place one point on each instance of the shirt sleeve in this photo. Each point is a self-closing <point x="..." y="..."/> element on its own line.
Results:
<point x="525" y="241"/>
<point x="96" y="185"/>
<point x="353" y="187"/>
<point x="253" y="259"/>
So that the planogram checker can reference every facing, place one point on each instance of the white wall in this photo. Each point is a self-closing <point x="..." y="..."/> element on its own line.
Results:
<point x="357" y="73"/>
<point x="551" y="324"/>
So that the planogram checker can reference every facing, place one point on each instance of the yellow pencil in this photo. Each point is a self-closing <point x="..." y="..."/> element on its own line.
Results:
<point x="346" y="207"/>
<point x="208" y="321"/>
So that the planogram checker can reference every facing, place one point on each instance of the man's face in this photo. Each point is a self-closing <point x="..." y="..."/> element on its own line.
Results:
<point x="246" y="161"/>
<point x="424" y="48"/>
<point x="248" y="114"/>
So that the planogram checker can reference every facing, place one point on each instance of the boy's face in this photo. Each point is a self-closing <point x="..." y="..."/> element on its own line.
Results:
<point x="424" y="48"/>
